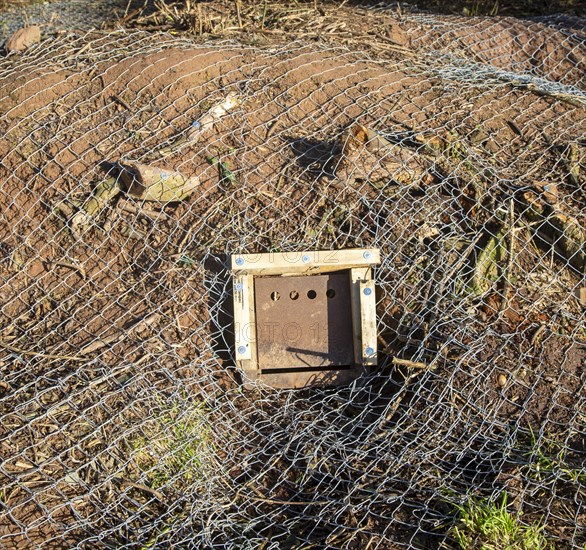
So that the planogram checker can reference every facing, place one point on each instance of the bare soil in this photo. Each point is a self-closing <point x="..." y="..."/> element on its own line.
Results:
<point x="147" y="285"/>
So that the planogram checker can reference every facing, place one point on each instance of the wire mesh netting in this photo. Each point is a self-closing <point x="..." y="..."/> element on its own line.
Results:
<point x="56" y="16"/>
<point x="124" y="420"/>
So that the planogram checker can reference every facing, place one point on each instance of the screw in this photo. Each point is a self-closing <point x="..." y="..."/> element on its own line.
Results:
<point x="369" y="351"/>
<point x="367" y="291"/>
<point x="367" y="255"/>
<point x="238" y="287"/>
<point x="305" y="258"/>
<point x="242" y="350"/>
<point x="239" y="261"/>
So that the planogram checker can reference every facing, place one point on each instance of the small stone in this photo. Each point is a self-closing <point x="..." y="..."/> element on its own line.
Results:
<point x="501" y="380"/>
<point x="22" y="39"/>
<point x="548" y="190"/>
<point x="478" y="137"/>
<point x="491" y="146"/>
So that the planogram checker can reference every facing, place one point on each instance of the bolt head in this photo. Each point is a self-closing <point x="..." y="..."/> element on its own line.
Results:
<point x="367" y="255"/>
<point x="369" y="351"/>
<point x="241" y="350"/>
<point x="239" y="261"/>
<point x="367" y="291"/>
<point x="238" y="287"/>
<point x="305" y="258"/>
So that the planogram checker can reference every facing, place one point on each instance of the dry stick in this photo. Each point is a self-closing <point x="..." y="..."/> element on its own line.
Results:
<point x="537" y="335"/>
<point x="128" y="207"/>
<point x="271" y="129"/>
<point x="390" y="44"/>
<point x="238" y="15"/>
<point x="117" y="372"/>
<point x="120" y="101"/>
<point x="509" y="267"/>
<point x="191" y="229"/>
<point x="289" y="502"/>
<point x="457" y="265"/>
<point x="71" y="265"/>
<point x="39" y="354"/>
<point x="398" y="400"/>
<point x="144" y="488"/>
<point x="411" y="364"/>
<point x="95" y="346"/>
<point x="575" y="100"/>
<point x="100" y="344"/>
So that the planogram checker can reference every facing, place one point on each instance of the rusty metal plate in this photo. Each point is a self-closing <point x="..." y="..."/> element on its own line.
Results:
<point x="303" y="322"/>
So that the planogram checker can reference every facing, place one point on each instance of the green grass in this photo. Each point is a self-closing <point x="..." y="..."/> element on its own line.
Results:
<point x="548" y="459"/>
<point x="174" y="447"/>
<point x="485" y="525"/>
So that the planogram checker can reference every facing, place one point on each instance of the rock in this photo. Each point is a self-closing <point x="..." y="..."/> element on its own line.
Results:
<point x="549" y="191"/>
<point x="150" y="183"/>
<point x="365" y="154"/>
<point x="23" y="39"/>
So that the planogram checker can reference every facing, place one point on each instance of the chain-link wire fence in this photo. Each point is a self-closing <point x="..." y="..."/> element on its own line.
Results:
<point x="124" y="422"/>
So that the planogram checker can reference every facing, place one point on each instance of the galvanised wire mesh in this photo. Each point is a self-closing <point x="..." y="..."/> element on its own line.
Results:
<point x="124" y="422"/>
<point x="55" y="16"/>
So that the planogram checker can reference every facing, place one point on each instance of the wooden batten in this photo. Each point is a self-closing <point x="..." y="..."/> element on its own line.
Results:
<point x="298" y="263"/>
<point x="358" y="264"/>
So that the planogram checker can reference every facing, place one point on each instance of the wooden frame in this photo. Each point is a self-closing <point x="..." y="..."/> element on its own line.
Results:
<point x="358" y="263"/>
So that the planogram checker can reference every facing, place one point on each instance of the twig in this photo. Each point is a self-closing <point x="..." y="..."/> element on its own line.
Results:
<point x="435" y="299"/>
<point x="94" y="346"/>
<point x="238" y="14"/>
<point x="117" y="372"/>
<point x="509" y="267"/>
<point x="153" y="214"/>
<point x="572" y="99"/>
<point x="289" y="502"/>
<point x="398" y="400"/>
<point x="575" y="100"/>
<point x="537" y="335"/>
<point x="411" y="364"/>
<point x="102" y="342"/>
<point x="39" y="354"/>
<point x="390" y="44"/>
<point x="271" y="130"/>
<point x="142" y="487"/>
<point x="71" y="265"/>
<point x="120" y="101"/>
